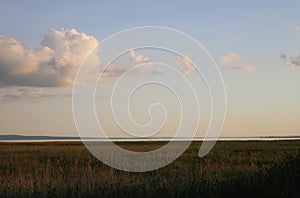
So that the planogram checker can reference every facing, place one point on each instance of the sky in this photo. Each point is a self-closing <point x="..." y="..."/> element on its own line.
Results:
<point x="255" y="44"/>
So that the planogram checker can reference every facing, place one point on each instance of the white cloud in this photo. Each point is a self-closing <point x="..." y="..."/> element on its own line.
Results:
<point x="297" y="28"/>
<point x="53" y="64"/>
<point x="56" y="61"/>
<point x="230" y="59"/>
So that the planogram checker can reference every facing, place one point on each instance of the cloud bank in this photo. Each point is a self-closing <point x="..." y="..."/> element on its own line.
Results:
<point x="53" y="64"/>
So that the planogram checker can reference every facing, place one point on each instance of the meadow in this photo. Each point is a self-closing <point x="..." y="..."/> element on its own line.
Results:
<point x="232" y="168"/>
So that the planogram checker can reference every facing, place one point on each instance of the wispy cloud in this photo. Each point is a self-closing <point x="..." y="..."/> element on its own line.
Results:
<point x="31" y="94"/>
<point x="53" y="64"/>
<point x="245" y="68"/>
<point x="232" y="60"/>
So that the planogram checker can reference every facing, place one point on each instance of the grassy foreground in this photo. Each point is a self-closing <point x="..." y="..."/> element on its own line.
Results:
<point x="67" y="169"/>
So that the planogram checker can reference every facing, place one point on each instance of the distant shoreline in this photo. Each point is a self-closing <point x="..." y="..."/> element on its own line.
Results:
<point x="21" y="138"/>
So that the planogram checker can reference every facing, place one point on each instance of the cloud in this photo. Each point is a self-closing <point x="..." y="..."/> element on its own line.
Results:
<point x="147" y="67"/>
<point x="297" y="28"/>
<point x="138" y="58"/>
<point x="283" y="56"/>
<point x="186" y="61"/>
<point x="189" y="67"/>
<point x="292" y="61"/>
<point x="245" y="68"/>
<point x="53" y="64"/>
<point x="114" y="71"/>
<point x="230" y="59"/>
<point x="31" y="94"/>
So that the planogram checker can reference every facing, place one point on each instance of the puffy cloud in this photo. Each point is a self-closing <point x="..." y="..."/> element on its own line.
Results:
<point x="230" y="59"/>
<point x="292" y="61"/>
<point x="54" y="64"/>
<point x="245" y="68"/>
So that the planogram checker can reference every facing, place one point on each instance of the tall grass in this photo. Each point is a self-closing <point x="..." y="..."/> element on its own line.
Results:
<point x="231" y="168"/>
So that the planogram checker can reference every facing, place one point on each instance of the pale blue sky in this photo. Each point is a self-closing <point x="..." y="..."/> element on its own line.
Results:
<point x="264" y="102"/>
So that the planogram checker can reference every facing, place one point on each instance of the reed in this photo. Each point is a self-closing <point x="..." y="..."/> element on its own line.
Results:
<point x="67" y="169"/>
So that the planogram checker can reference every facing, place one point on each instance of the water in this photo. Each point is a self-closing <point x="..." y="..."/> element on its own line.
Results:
<point x="76" y="139"/>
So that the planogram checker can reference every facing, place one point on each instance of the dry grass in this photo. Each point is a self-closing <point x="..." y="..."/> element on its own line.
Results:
<point x="67" y="169"/>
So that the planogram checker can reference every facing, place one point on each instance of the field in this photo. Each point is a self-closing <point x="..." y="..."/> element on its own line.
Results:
<point x="67" y="169"/>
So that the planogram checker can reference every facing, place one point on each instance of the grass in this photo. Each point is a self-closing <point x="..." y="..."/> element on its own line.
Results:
<point x="67" y="169"/>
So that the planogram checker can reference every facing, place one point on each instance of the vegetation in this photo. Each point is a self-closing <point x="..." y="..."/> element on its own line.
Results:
<point x="67" y="169"/>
